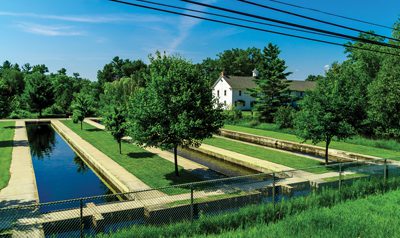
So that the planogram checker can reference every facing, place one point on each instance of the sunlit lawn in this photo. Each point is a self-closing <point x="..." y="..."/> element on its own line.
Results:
<point x="150" y="168"/>
<point x="290" y="160"/>
<point x="6" y="143"/>
<point x="340" y="145"/>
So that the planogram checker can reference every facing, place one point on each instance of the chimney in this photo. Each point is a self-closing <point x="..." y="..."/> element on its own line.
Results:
<point x="255" y="73"/>
<point x="222" y="73"/>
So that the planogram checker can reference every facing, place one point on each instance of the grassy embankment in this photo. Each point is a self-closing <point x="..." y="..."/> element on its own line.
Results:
<point x="371" y="217"/>
<point x="150" y="168"/>
<point x="378" y="148"/>
<point x="6" y="143"/>
<point x="289" y="160"/>
<point x="316" y="215"/>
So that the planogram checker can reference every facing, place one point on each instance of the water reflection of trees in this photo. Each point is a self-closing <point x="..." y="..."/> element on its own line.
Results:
<point x="81" y="166"/>
<point x="41" y="139"/>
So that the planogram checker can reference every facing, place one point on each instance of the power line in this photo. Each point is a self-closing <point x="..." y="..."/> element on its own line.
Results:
<point x="294" y="25"/>
<point x="333" y="14"/>
<point x="315" y="19"/>
<point x="235" y="18"/>
<point x="250" y="27"/>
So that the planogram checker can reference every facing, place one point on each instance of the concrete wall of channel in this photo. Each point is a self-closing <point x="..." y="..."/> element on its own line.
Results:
<point x="336" y="155"/>
<point x="116" y="185"/>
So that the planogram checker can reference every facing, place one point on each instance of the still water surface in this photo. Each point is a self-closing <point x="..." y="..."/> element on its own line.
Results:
<point x="60" y="173"/>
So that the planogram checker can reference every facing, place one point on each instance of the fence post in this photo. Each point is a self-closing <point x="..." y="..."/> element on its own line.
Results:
<point x="81" y="217"/>
<point x="273" y="189"/>
<point x="386" y="171"/>
<point x="340" y="177"/>
<point x="191" y="203"/>
<point x="385" y="175"/>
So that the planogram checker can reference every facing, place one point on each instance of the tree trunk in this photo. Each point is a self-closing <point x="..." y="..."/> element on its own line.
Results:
<point x="40" y="113"/>
<point x="176" y="160"/>
<point x="328" y="141"/>
<point x="81" y="125"/>
<point x="120" y="150"/>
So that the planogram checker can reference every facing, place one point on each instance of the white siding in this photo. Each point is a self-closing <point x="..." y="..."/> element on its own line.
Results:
<point x="243" y="97"/>
<point x="222" y="86"/>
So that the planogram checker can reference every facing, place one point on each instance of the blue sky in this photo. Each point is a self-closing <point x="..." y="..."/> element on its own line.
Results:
<point x="82" y="36"/>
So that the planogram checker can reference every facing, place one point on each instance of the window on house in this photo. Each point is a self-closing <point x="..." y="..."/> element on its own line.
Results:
<point x="240" y="93"/>
<point x="218" y="93"/>
<point x="224" y="92"/>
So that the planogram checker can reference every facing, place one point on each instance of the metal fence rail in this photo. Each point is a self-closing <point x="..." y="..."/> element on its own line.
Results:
<point x="105" y="214"/>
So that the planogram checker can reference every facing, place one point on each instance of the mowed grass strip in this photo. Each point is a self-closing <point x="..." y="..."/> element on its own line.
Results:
<point x="6" y="147"/>
<point x="371" y="217"/>
<point x="339" y="145"/>
<point x="290" y="160"/>
<point x="150" y="168"/>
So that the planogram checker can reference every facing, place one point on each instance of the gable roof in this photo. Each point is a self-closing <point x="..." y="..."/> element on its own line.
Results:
<point x="242" y="82"/>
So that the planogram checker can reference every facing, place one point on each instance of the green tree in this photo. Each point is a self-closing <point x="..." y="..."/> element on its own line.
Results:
<point x="384" y="99"/>
<point x="323" y="115"/>
<point x="312" y="77"/>
<point x="175" y="109"/>
<point x="115" y="122"/>
<point x="38" y="91"/>
<point x="119" y="68"/>
<point x="271" y="89"/>
<point x="239" y="62"/>
<point x="82" y="107"/>
<point x="64" y="88"/>
<point x="5" y="108"/>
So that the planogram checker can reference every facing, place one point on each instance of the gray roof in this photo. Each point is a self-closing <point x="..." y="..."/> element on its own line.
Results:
<point x="241" y="82"/>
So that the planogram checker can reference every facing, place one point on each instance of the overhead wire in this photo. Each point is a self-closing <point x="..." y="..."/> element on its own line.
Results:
<point x="354" y="38"/>
<point x="235" y="18"/>
<point x="249" y="27"/>
<point x="316" y="20"/>
<point x="333" y="14"/>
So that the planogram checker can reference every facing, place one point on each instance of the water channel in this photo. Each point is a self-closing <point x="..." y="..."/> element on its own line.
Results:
<point x="60" y="173"/>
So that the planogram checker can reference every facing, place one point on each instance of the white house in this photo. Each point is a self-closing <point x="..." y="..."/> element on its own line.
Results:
<point x="233" y="90"/>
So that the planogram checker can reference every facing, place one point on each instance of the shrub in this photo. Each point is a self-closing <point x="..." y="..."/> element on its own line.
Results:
<point x="284" y="117"/>
<point x="233" y="114"/>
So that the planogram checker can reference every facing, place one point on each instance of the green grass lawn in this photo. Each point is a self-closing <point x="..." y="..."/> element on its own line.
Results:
<point x="6" y="143"/>
<point x="340" y="145"/>
<point x="375" y="216"/>
<point x="150" y="168"/>
<point x="293" y="161"/>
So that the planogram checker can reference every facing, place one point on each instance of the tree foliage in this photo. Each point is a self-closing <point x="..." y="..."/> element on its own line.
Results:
<point x="384" y="103"/>
<point x="119" y="68"/>
<point x="39" y="91"/>
<point x="271" y="89"/>
<point x="115" y="122"/>
<point x="175" y="109"/>
<point x="323" y="114"/>
<point x="82" y="106"/>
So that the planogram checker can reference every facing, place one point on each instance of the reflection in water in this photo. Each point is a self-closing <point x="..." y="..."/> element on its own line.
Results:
<point x="81" y="167"/>
<point x="60" y="173"/>
<point x="41" y="140"/>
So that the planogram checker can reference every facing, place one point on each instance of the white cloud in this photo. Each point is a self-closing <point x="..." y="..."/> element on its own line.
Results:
<point x="149" y="18"/>
<point x="327" y="68"/>
<point x="47" y="30"/>
<point x="186" y="25"/>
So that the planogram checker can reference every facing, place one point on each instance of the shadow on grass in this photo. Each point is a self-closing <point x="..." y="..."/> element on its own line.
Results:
<point x="138" y="155"/>
<point x="93" y="129"/>
<point x="6" y="143"/>
<point x="13" y="127"/>
<point x="184" y="177"/>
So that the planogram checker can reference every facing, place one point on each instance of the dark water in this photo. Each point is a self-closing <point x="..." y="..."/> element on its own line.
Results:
<point x="223" y="167"/>
<point x="60" y="173"/>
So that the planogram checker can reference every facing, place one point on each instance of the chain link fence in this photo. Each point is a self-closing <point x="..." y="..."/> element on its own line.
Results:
<point x="87" y="217"/>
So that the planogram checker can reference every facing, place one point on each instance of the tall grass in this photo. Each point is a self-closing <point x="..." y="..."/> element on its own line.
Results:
<point x="254" y="215"/>
<point x="376" y="216"/>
